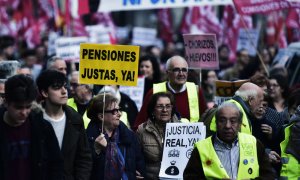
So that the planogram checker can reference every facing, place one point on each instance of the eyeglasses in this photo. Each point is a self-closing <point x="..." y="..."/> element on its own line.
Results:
<point x="177" y="70"/>
<point x="113" y="111"/>
<point x="162" y="107"/>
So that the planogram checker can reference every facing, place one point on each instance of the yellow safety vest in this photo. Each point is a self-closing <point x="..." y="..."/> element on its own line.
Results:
<point x="86" y="120"/>
<point x="192" y="98"/>
<point x="290" y="165"/>
<point x="245" y="127"/>
<point x="212" y="166"/>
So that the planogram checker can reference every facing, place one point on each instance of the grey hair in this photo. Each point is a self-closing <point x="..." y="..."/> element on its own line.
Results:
<point x="168" y="63"/>
<point x="52" y="60"/>
<point x="231" y="105"/>
<point x="246" y="94"/>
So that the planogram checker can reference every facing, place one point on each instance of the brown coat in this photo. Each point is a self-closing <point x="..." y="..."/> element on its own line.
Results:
<point x="152" y="144"/>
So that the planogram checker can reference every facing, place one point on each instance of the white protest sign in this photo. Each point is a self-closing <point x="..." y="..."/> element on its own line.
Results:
<point x="51" y="43"/>
<point x="143" y="36"/>
<point x="136" y="93"/>
<point x="245" y="43"/>
<point x="68" y="48"/>
<point x="99" y="34"/>
<point x="122" y="33"/>
<point x="178" y="146"/>
<point x="123" y="5"/>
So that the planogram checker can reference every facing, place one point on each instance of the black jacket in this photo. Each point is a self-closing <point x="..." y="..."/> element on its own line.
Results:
<point x="127" y="143"/>
<point x="46" y="159"/>
<point x="75" y="148"/>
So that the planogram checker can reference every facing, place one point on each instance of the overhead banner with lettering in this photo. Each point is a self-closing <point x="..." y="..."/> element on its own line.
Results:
<point x="201" y="51"/>
<point x="125" y="5"/>
<point x="178" y="146"/>
<point x="263" y="6"/>
<point x="108" y="64"/>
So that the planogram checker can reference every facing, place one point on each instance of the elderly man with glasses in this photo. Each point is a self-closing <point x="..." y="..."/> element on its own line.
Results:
<point x="189" y="100"/>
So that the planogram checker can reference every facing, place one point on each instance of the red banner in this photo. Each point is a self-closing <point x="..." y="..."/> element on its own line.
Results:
<point x="263" y="6"/>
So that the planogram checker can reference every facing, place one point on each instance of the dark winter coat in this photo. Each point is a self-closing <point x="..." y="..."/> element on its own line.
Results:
<point x="128" y="143"/>
<point x="46" y="159"/>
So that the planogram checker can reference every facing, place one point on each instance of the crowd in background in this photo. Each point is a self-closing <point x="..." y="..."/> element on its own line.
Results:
<point x="128" y="143"/>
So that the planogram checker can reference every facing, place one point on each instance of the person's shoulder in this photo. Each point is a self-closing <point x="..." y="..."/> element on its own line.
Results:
<point x="73" y="115"/>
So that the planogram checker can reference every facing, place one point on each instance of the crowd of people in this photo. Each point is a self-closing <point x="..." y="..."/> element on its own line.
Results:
<point x="53" y="127"/>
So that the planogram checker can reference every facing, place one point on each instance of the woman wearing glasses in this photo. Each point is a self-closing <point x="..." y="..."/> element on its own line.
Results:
<point x="115" y="149"/>
<point x="152" y="132"/>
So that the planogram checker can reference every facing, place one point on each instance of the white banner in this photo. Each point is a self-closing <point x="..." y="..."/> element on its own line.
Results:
<point x="125" y="5"/>
<point x="178" y="146"/>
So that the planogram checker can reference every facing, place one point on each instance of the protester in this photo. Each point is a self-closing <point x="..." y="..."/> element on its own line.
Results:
<point x="7" y="48"/>
<point x="149" y="67"/>
<point x="224" y="53"/>
<point x="127" y="105"/>
<point x="115" y="149"/>
<point x="234" y="72"/>
<point x="67" y="123"/>
<point x="228" y="154"/>
<point x="250" y="99"/>
<point x="58" y="64"/>
<point x="209" y="78"/>
<point x="278" y="91"/>
<point x="189" y="99"/>
<point x="151" y="133"/>
<point x="82" y="95"/>
<point x="29" y="148"/>
<point x="290" y="152"/>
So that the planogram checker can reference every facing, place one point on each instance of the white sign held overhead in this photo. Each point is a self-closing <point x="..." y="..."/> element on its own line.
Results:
<point x="178" y="146"/>
<point x="68" y="48"/>
<point x="246" y="40"/>
<point x="125" y="5"/>
<point x="99" y="34"/>
<point x="136" y="93"/>
<point x="143" y="36"/>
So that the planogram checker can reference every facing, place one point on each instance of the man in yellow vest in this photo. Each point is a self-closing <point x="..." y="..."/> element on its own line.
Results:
<point x="189" y="98"/>
<point x="290" y="149"/>
<point x="81" y="99"/>
<point x="229" y="154"/>
<point x="250" y="99"/>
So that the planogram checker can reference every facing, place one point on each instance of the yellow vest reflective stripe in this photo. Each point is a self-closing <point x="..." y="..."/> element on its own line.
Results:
<point x="245" y="127"/>
<point x="192" y="98"/>
<point x="212" y="166"/>
<point x="184" y="120"/>
<point x="86" y="120"/>
<point x="290" y="165"/>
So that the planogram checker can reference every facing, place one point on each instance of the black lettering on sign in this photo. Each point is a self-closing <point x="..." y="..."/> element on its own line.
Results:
<point x="127" y="75"/>
<point x="175" y="143"/>
<point x="84" y="53"/>
<point x="108" y="55"/>
<point x="103" y="74"/>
